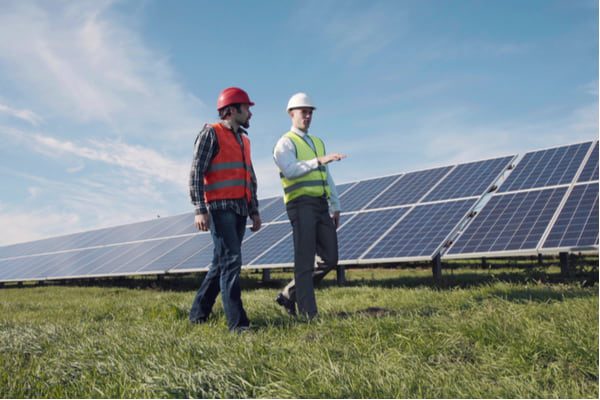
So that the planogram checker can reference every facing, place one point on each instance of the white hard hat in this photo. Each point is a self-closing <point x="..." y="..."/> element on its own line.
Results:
<point x="300" y="100"/>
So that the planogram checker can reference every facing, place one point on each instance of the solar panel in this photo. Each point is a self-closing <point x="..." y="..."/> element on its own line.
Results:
<point x="263" y="239"/>
<point x="363" y="192"/>
<point x="50" y="263"/>
<point x="13" y="266"/>
<point x="183" y="252"/>
<point x="273" y="211"/>
<point x="88" y="239"/>
<point x="577" y="223"/>
<point x="355" y="236"/>
<point x="171" y="227"/>
<point x="401" y="217"/>
<point x="253" y="245"/>
<point x="470" y="179"/>
<point x="421" y="233"/>
<point x="87" y="260"/>
<point x="590" y="170"/>
<point x="342" y="188"/>
<point x="144" y="254"/>
<point x="199" y="260"/>
<point x="282" y="254"/>
<point x="511" y="222"/>
<point x="410" y="188"/>
<point x="555" y="166"/>
<point x="19" y="266"/>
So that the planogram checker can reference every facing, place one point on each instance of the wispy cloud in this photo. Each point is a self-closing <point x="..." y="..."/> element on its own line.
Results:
<point x="143" y="160"/>
<point x="443" y="137"/>
<point x="452" y="48"/>
<point x="90" y="202"/>
<point x="25" y="115"/>
<point x="83" y="65"/>
<point x="26" y="225"/>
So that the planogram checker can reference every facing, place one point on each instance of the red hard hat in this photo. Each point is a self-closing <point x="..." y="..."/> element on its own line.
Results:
<point x="233" y="95"/>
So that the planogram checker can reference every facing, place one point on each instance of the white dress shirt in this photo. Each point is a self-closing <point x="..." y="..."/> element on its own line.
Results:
<point x="284" y="155"/>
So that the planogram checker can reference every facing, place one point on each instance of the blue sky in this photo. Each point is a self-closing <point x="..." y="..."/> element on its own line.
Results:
<point x="100" y="101"/>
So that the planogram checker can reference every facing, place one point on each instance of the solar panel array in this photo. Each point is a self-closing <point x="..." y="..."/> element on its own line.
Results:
<point x="402" y="217"/>
<point x="542" y="207"/>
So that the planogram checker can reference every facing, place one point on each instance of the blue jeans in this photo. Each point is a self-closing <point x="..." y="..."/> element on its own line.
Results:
<point x="227" y="230"/>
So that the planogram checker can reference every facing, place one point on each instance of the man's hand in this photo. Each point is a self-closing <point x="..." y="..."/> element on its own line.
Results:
<point x="256" y="222"/>
<point x="202" y="221"/>
<point x="336" y="219"/>
<point x="324" y="160"/>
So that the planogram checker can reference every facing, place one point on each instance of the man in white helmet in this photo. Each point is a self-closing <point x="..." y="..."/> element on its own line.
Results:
<point x="309" y="195"/>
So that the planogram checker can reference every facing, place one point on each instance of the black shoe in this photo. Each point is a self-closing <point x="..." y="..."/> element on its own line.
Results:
<point x="242" y="329"/>
<point x="289" y="305"/>
<point x="198" y="321"/>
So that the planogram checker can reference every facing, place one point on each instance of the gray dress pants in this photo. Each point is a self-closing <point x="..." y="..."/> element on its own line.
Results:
<point x="314" y="233"/>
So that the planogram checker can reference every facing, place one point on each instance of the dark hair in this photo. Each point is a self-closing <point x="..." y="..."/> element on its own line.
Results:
<point x="226" y="111"/>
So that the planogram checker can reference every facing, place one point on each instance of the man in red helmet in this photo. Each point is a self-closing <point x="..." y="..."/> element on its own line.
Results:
<point x="223" y="192"/>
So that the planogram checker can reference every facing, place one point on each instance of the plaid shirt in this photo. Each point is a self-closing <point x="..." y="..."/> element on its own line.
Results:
<point x="206" y="148"/>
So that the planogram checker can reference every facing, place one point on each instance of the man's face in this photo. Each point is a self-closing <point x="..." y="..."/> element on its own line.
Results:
<point x="301" y="117"/>
<point x="243" y="116"/>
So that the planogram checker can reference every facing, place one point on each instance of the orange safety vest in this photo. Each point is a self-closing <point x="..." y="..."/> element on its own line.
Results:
<point x="228" y="176"/>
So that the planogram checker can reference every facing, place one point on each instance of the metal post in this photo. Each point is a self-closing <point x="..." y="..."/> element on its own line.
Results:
<point x="540" y="260"/>
<point x="436" y="267"/>
<point x="484" y="262"/>
<point x="341" y="275"/>
<point x="565" y="269"/>
<point x="266" y="275"/>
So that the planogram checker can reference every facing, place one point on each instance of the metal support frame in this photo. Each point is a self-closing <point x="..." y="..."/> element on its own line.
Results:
<point x="341" y="275"/>
<point x="266" y="275"/>
<point x="484" y="263"/>
<point x="565" y="268"/>
<point x="436" y="268"/>
<point x="540" y="260"/>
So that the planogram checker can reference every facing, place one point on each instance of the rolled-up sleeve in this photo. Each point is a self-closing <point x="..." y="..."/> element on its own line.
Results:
<point x="253" y="207"/>
<point x="334" y="200"/>
<point x="204" y="151"/>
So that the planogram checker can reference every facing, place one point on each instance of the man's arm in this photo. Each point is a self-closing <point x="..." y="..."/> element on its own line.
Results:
<point x="205" y="148"/>
<point x="254" y="215"/>
<point x="284" y="155"/>
<point x="334" y="200"/>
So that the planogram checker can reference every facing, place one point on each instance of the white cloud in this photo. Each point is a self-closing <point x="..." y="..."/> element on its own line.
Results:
<point x="25" y="115"/>
<point x="33" y="191"/>
<point x="450" y="136"/>
<point x="77" y="61"/>
<point x="143" y="160"/>
<point x="95" y="201"/>
<point x="26" y="225"/>
<point x="76" y="168"/>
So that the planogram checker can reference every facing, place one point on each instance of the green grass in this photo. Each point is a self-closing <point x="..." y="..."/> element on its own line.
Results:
<point x="389" y="333"/>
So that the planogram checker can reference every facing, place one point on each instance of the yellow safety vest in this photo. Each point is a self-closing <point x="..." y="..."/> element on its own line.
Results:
<point x="313" y="183"/>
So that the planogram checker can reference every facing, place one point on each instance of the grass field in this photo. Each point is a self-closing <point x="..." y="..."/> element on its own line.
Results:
<point x="388" y="333"/>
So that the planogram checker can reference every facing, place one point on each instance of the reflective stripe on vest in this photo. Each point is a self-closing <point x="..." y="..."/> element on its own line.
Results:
<point x="229" y="173"/>
<point x="313" y="183"/>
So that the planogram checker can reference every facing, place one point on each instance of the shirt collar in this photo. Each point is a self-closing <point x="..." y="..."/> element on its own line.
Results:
<point x="226" y="124"/>
<point x="298" y="131"/>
